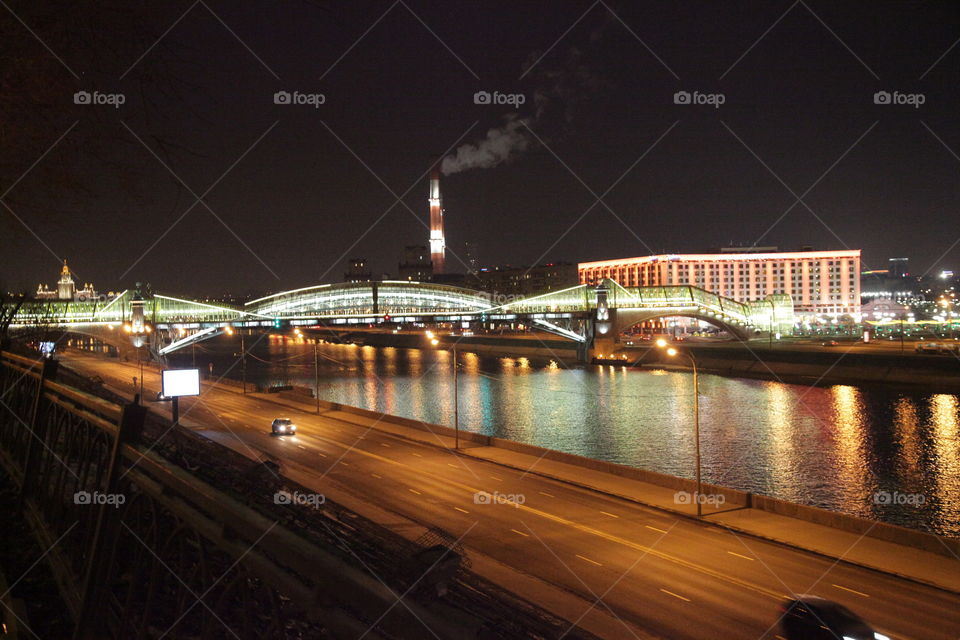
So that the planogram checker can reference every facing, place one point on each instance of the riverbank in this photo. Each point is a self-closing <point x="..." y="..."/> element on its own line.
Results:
<point x="524" y="345"/>
<point x="843" y="364"/>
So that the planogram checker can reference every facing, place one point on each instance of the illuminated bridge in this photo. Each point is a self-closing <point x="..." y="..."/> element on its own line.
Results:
<point x="583" y="313"/>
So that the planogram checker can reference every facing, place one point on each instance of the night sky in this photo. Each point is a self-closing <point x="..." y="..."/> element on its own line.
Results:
<point x="297" y="189"/>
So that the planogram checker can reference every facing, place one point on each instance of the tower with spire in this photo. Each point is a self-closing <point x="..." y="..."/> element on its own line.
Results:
<point x="65" y="285"/>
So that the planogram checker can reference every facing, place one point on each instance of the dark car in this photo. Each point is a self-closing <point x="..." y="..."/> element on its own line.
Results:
<point x="283" y="427"/>
<point x="831" y="343"/>
<point x="813" y="618"/>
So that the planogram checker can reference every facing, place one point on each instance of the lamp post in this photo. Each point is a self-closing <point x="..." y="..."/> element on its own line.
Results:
<point x="773" y="315"/>
<point x="671" y="351"/>
<point x="456" y="394"/>
<point x="456" y="401"/>
<point x="316" y="376"/>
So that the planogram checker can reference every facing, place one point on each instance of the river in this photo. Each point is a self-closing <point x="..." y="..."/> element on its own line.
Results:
<point x="878" y="453"/>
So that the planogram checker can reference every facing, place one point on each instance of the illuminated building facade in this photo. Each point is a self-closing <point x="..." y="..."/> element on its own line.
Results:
<point x="820" y="282"/>
<point x="66" y="288"/>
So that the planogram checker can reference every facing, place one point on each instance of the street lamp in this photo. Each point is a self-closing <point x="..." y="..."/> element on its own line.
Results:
<point x="672" y="352"/>
<point x="456" y="396"/>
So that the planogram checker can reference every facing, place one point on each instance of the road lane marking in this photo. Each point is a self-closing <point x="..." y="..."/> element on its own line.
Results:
<point x="525" y="535"/>
<point x="415" y="491"/>
<point x="859" y="593"/>
<point x="384" y="444"/>
<point x="418" y="455"/>
<point x="322" y="455"/>
<point x="609" y="514"/>
<point x="376" y="476"/>
<point x="589" y="560"/>
<point x="496" y="478"/>
<point x="734" y="553"/>
<point x="651" y="551"/>
<point x="302" y="447"/>
<point x="449" y="464"/>
<point x="671" y="593"/>
<point x="463" y="510"/>
<point x="544" y="493"/>
<point x="654" y="528"/>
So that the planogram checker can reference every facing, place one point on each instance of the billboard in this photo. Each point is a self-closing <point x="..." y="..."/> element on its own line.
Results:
<point x="181" y="382"/>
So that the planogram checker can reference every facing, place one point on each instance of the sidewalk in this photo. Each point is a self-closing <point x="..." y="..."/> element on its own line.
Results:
<point x="933" y="569"/>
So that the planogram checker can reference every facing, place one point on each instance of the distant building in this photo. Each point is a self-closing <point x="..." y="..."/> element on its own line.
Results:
<point x="358" y="271"/>
<point x="820" y="282"/>
<point x="66" y="288"/>
<point x="884" y="309"/>
<point x="524" y="281"/>
<point x="415" y="264"/>
<point x="899" y="267"/>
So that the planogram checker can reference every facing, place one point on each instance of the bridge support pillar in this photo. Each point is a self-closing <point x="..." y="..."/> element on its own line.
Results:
<point x="602" y="330"/>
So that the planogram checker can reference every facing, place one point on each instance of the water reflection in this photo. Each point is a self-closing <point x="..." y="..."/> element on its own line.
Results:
<point x="834" y="447"/>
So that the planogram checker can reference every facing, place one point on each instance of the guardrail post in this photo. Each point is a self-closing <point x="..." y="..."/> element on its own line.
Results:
<point x="36" y="426"/>
<point x="89" y="623"/>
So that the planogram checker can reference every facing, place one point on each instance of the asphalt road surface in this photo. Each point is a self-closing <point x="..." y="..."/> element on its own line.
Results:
<point x="649" y="571"/>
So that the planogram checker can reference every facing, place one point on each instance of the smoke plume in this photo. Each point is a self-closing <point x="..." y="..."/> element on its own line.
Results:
<point x="501" y="145"/>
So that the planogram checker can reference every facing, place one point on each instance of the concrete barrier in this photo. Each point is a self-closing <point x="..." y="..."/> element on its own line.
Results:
<point x="733" y="496"/>
<point x="949" y="547"/>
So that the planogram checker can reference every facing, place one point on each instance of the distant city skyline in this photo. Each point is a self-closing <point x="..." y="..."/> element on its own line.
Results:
<point x="265" y="154"/>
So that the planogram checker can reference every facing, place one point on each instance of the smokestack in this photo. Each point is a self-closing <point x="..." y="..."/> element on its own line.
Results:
<point x="437" y="245"/>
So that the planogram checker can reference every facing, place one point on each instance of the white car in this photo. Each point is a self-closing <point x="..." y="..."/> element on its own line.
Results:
<point x="283" y="427"/>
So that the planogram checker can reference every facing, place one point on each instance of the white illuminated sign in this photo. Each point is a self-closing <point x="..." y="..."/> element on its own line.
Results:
<point x="181" y="382"/>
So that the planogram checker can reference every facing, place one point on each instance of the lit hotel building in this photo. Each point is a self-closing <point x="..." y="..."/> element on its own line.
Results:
<point x="820" y="282"/>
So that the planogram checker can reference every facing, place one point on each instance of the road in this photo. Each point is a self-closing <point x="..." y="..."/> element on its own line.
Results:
<point x="646" y="569"/>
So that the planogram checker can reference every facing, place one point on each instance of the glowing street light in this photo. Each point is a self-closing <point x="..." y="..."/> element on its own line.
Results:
<point x="672" y="352"/>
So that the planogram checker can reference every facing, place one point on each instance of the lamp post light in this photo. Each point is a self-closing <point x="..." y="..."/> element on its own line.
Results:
<point x="672" y="352"/>
<point x="456" y="394"/>
<point x="316" y="375"/>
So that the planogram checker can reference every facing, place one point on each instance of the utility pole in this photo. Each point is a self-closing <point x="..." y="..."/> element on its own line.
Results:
<point x="316" y="376"/>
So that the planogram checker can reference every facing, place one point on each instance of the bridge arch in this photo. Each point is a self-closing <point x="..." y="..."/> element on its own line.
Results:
<point x="389" y="297"/>
<point x="626" y="318"/>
